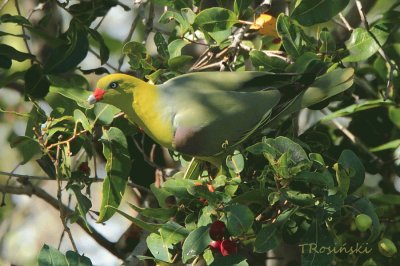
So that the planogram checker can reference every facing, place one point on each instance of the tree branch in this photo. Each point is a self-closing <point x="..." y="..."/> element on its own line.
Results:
<point x="29" y="189"/>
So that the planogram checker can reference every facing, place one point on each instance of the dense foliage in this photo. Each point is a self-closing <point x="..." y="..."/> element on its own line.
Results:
<point x="304" y="190"/>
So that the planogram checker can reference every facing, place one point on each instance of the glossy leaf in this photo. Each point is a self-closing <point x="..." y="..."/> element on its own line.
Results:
<point x="267" y="238"/>
<point x="172" y="233"/>
<point x="239" y="219"/>
<point x="235" y="162"/>
<point x="83" y="203"/>
<point x="290" y="36"/>
<point x="349" y="160"/>
<point x="104" y="51"/>
<point x="161" y="45"/>
<point x="265" y="62"/>
<point x="358" y="107"/>
<point x="12" y="53"/>
<point x="36" y="83"/>
<point x="316" y="237"/>
<point x="50" y="256"/>
<point x="310" y="12"/>
<point x="118" y="166"/>
<point x="69" y="54"/>
<point x="196" y="242"/>
<point x="175" y="47"/>
<point x="363" y="45"/>
<point x="159" y="248"/>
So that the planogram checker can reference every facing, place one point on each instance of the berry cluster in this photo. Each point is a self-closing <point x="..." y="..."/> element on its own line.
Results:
<point x="224" y="245"/>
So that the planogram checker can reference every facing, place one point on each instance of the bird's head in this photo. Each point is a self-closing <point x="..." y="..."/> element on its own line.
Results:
<point x="113" y="88"/>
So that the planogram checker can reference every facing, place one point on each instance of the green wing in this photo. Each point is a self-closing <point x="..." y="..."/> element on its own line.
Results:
<point x="213" y="109"/>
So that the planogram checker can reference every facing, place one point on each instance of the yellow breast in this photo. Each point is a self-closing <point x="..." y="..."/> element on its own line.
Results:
<point x="152" y="115"/>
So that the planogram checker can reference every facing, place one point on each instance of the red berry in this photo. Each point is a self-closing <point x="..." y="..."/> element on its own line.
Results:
<point x="228" y="247"/>
<point x="276" y="40"/>
<point x="84" y="167"/>
<point x="217" y="230"/>
<point x="215" y="245"/>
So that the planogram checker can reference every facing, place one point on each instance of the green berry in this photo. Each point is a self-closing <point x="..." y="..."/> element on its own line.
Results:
<point x="363" y="222"/>
<point x="387" y="248"/>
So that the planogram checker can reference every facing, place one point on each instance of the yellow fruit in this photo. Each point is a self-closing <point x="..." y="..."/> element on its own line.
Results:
<point x="266" y="25"/>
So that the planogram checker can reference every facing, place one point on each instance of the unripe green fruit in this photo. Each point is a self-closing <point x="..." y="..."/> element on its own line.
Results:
<point x="387" y="248"/>
<point x="363" y="222"/>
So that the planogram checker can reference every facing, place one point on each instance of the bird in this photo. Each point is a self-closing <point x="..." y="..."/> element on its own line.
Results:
<point x="208" y="114"/>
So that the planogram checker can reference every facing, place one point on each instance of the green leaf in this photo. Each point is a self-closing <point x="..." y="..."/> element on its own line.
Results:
<point x="77" y="94"/>
<point x="354" y="108"/>
<point x="363" y="45"/>
<point x="317" y="237"/>
<point x="239" y="219"/>
<point x="161" y="195"/>
<point x="323" y="179"/>
<point x="282" y="145"/>
<point x="394" y="144"/>
<point x="83" y="203"/>
<point x="328" y="85"/>
<point x="36" y="83"/>
<point x="172" y="233"/>
<point x="168" y="16"/>
<point x="188" y="15"/>
<point x="11" y="53"/>
<point x="178" y="187"/>
<point x="328" y="43"/>
<point x="196" y="242"/>
<point x="289" y="34"/>
<point x="104" y="51"/>
<point x="389" y="199"/>
<point x="153" y="228"/>
<point x="81" y="118"/>
<point x="241" y="5"/>
<point x="158" y="247"/>
<point x="118" y="166"/>
<point x="51" y="256"/>
<point x="69" y="54"/>
<point x="267" y="238"/>
<point x="179" y="62"/>
<point x="298" y="198"/>
<point x="348" y="159"/>
<point x="161" y="44"/>
<point x="235" y="162"/>
<point x="231" y="260"/>
<point x="175" y="47"/>
<point x="394" y="115"/>
<point x="74" y="259"/>
<point x="217" y="22"/>
<point x="163" y="214"/>
<point x="28" y="147"/>
<point x="215" y="19"/>
<point x="310" y="12"/>
<point x="267" y="63"/>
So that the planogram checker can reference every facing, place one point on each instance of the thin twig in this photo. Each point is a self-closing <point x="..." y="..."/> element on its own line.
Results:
<point x="346" y="23"/>
<point x="59" y="197"/>
<point x="5" y="2"/>
<point x="128" y="38"/>
<point x="106" y="63"/>
<point x="23" y="29"/>
<point x="392" y="67"/>
<point x="92" y="179"/>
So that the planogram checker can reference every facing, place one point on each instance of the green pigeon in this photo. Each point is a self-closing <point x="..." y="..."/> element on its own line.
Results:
<point x="208" y="114"/>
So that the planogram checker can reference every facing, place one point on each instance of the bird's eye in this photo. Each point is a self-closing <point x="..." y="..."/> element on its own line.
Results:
<point x="113" y="85"/>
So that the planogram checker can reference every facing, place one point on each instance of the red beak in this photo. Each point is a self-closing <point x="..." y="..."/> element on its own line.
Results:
<point x="96" y="96"/>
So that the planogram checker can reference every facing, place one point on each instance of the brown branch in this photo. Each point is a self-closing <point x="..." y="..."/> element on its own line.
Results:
<point x="29" y="189"/>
